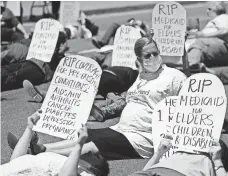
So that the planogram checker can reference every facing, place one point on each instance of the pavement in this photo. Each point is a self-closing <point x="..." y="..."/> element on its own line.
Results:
<point x="16" y="105"/>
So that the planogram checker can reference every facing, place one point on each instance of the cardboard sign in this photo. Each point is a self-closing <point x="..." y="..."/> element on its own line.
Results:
<point x="200" y="113"/>
<point x="124" y="42"/>
<point x="70" y="97"/>
<point x="162" y="116"/>
<point x="44" y="40"/>
<point x="69" y="12"/>
<point x="169" y="25"/>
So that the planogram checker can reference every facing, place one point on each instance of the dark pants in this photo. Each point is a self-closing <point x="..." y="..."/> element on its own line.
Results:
<point x="110" y="33"/>
<point x="13" y="75"/>
<point x="7" y="34"/>
<point x="118" y="82"/>
<point x="213" y="52"/>
<point x="109" y="83"/>
<point x="111" y="144"/>
<point x="224" y="145"/>
<point x="55" y="8"/>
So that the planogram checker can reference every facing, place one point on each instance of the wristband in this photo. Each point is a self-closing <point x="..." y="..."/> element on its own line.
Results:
<point x="218" y="167"/>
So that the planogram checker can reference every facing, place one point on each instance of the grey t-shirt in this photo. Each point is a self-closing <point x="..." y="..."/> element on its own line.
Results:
<point x="182" y="164"/>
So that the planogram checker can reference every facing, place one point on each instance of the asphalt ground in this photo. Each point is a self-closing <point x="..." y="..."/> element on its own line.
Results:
<point x="16" y="105"/>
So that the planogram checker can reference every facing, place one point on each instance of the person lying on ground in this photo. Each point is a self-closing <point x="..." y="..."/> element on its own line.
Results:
<point x="211" y="43"/>
<point x="184" y="163"/>
<point x="131" y="137"/>
<point x="110" y="33"/>
<point x="179" y="164"/>
<point x="34" y="70"/>
<point x="15" y="52"/>
<point x="52" y="164"/>
<point x="11" y="29"/>
<point x="18" y="51"/>
<point x="84" y="28"/>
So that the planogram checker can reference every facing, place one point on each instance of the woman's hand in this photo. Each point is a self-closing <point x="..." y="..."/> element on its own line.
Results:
<point x="33" y="119"/>
<point x="165" y="145"/>
<point x="215" y="151"/>
<point x="82" y="135"/>
<point x="26" y="36"/>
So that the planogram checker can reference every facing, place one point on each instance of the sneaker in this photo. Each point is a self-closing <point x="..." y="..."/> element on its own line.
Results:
<point x="97" y="43"/>
<point x="33" y="91"/>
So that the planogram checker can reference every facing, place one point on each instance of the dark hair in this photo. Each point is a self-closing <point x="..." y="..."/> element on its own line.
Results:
<point x="131" y="19"/>
<point x="94" y="163"/>
<point x="140" y="43"/>
<point x="61" y="39"/>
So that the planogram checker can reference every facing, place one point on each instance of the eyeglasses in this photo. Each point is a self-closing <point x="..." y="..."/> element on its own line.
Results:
<point x="148" y="55"/>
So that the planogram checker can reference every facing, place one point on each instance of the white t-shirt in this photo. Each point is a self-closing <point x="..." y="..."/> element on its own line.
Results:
<point x="135" y="121"/>
<point x="188" y="164"/>
<point x="43" y="164"/>
<point x="219" y="22"/>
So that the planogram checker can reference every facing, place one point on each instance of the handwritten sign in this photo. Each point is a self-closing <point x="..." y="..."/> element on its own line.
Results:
<point x="124" y="42"/>
<point x="162" y="116"/>
<point x="70" y="97"/>
<point x="69" y="12"/>
<point x="169" y="25"/>
<point x="200" y="112"/>
<point x="44" y="40"/>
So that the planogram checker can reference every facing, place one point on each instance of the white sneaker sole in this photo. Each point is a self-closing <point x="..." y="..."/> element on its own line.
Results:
<point x="32" y="91"/>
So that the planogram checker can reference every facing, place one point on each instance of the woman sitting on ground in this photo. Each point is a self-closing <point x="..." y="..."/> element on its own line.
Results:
<point x="210" y="48"/>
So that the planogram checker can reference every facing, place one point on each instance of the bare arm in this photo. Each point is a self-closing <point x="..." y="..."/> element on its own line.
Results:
<point x="216" y="154"/>
<point x="22" y="29"/>
<point x="154" y="160"/>
<point x="220" y="32"/>
<point x="164" y="146"/>
<point x="219" y="169"/>
<point x="70" y="167"/>
<point x="23" y="143"/>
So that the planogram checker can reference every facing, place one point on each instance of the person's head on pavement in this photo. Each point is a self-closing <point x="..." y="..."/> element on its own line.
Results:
<point x="94" y="164"/>
<point x="216" y="8"/>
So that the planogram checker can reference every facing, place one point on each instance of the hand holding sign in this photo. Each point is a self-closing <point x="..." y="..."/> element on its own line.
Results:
<point x="200" y="112"/>
<point x="124" y="42"/>
<point x="44" y="40"/>
<point x="70" y="97"/>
